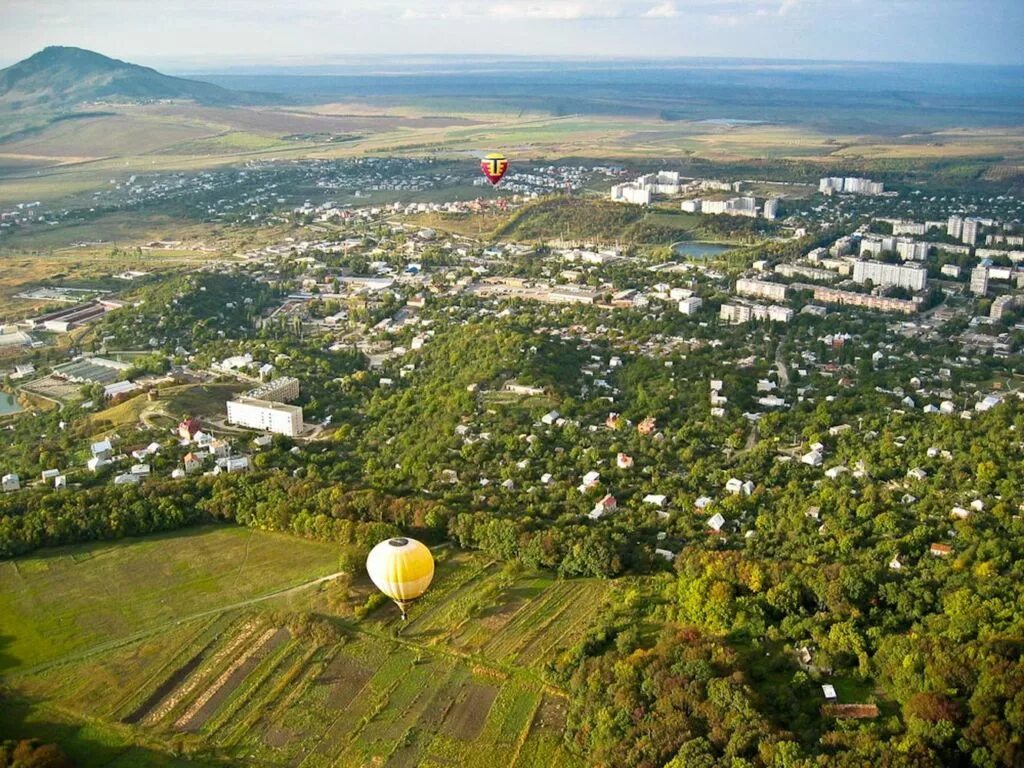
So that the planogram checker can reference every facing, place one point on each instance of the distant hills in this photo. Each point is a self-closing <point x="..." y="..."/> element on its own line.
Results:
<point x="61" y="78"/>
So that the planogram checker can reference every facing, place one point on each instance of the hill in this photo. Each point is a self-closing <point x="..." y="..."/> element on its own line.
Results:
<point x="60" y="78"/>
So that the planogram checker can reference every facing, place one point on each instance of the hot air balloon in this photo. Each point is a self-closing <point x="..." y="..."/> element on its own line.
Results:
<point x="494" y="167"/>
<point x="402" y="569"/>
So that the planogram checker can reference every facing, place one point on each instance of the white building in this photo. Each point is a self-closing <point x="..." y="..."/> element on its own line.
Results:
<point x="970" y="232"/>
<point x="261" y="414"/>
<point x="631" y="192"/>
<point x="979" y="280"/>
<point x="10" y="482"/>
<point x="912" y="278"/>
<point x="911" y="251"/>
<point x="761" y="289"/>
<point x="955" y="226"/>
<point x="771" y="209"/>
<point x="690" y="306"/>
<point x="280" y="390"/>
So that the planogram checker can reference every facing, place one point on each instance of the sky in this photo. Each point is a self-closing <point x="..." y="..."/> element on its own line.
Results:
<point x="212" y="35"/>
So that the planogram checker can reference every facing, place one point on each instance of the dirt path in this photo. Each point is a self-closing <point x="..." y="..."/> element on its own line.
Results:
<point x="112" y="644"/>
<point x="780" y="366"/>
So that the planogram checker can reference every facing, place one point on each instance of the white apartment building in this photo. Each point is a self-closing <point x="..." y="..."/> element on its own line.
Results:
<point x="912" y="278"/>
<point x="280" y="390"/>
<point x="970" y="232"/>
<point x="955" y="226"/>
<point x="979" y="280"/>
<point x="690" y="305"/>
<point x="911" y="251"/>
<point x="761" y="289"/>
<point x="262" y="414"/>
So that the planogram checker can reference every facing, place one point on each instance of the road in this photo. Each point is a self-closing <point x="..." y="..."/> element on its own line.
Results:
<point x="112" y="644"/>
<point x="780" y="366"/>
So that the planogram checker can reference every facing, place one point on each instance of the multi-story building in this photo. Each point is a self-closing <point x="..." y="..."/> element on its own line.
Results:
<point x="908" y="228"/>
<point x="955" y="226"/>
<point x="796" y="270"/>
<point x="913" y="278"/>
<point x="771" y="209"/>
<point x="632" y="192"/>
<point x="851" y="185"/>
<point x="736" y="314"/>
<point x="690" y="305"/>
<point x="263" y="414"/>
<point x="280" y="390"/>
<point x="761" y="289"/>
<point x="979" y="280"/>
<point x="970" y="232"/>
<point x="911" y="251"/>
<point x="866" y="300"/>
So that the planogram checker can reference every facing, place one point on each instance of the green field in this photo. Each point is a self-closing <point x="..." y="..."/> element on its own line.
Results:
<point x="130" y="653"/>
<point x="70" y="600"/>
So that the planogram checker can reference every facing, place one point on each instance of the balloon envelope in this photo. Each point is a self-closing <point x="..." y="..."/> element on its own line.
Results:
<point x="402" y="568"/>
<point x="494" y="167"/>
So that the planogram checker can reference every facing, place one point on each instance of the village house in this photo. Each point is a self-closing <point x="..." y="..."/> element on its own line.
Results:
<point x="188" y="428"/>
<point x="192" y="462"/>
<point x="10" y="483"/>
<point x="715" y="522"/>
<point x="220" y="449"/>
<point x="102" y="450"/>
<point x="603" y="507"/>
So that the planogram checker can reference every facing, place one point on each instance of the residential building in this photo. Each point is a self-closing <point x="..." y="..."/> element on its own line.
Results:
<point x="955" y="227"/>
<point x="970" y="232"/>
<point x="281" y="390"/>
<point x="10" y="483"/>
<point x="866" y="300"/>
<point x="979" y="280"/>
<point x="912" y="278"/>
<point x="691" y="305"/>
<point x="262" y="414"/>
<point x="761" y="289"/>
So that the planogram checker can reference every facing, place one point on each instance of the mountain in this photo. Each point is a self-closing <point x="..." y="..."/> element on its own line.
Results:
<point x="60" y="78"/>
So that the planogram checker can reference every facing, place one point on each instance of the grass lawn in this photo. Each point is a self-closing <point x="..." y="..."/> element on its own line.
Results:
<point x="64" y="601"/>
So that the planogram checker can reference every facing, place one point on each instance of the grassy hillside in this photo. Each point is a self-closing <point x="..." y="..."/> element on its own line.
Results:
<point x="600" y="220"/>
<point x="61" y="77"/>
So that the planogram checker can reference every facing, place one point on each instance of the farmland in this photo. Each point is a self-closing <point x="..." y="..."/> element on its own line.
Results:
<point x="129" y="653"/>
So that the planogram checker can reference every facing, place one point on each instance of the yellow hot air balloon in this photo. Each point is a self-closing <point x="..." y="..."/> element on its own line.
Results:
<point x="402" y="569"/>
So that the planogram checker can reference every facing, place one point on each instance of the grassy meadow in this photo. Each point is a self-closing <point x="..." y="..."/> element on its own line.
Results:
<point x="138" y="653"/>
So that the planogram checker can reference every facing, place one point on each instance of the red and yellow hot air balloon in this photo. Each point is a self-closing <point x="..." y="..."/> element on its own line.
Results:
<point x="402" y="568"/>
<point x="494" y="167"/>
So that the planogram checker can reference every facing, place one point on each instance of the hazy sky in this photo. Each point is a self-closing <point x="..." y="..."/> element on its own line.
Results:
<point x="197" y="35"/>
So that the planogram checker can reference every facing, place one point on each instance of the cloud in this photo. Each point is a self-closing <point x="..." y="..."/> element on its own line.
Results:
<point x="553" y="11"/>
<point x="540" y="10"/>
<point x="665" y="10"/>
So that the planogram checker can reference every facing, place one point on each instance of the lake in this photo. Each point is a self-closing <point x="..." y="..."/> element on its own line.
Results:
<point x="700" y="250"/>
<point x="8" y="404"/>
